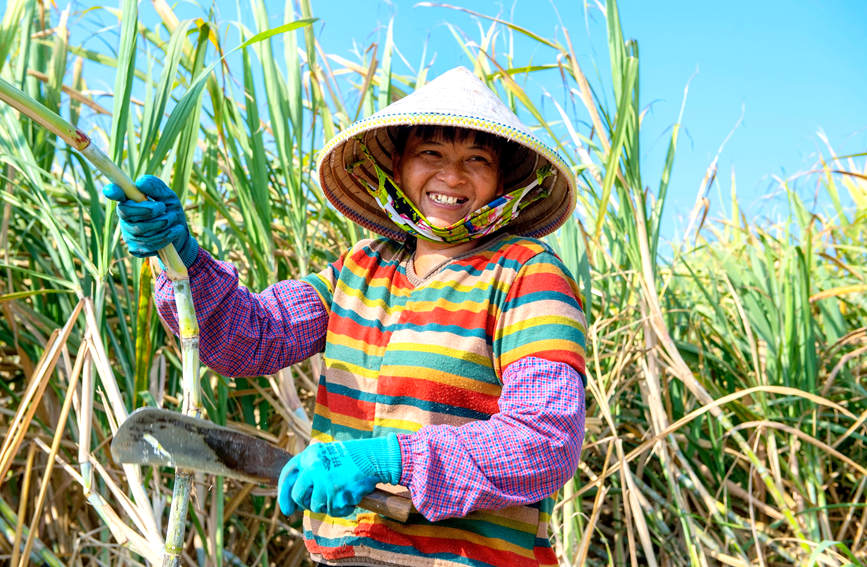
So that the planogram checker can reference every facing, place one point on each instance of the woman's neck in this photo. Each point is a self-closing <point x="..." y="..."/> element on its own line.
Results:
<point x="428" y="255"/>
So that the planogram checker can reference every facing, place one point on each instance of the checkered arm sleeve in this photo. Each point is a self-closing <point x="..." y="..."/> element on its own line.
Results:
<point x="521" y="455"/>
<point x="243" y="333"/>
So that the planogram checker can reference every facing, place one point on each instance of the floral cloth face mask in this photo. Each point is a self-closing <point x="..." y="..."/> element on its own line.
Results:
<point x="481" y="222"/>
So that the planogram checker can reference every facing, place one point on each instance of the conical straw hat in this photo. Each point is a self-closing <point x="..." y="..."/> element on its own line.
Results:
<point x="455" y="98"/>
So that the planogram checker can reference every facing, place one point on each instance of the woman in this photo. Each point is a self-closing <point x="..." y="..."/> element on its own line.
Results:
<point x="453" y="344"/>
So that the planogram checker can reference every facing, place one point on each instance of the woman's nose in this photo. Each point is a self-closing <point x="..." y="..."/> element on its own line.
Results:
<point x="452" y="173"/>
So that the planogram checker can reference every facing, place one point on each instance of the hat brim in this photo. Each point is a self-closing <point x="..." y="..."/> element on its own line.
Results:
<point x="349" y="195"/>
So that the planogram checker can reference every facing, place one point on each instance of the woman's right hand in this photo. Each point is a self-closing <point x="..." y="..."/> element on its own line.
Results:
<point x="151" y="225"/>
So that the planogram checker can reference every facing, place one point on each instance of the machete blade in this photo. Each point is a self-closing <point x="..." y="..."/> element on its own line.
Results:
<point x="152" y="436"/>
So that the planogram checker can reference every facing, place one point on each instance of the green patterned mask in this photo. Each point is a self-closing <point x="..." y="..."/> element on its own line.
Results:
<point x="485" y="220"/>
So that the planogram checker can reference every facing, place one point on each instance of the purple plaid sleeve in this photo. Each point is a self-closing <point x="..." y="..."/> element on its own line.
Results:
<point x="243" y="333"/>
<point x="521" y="455"/>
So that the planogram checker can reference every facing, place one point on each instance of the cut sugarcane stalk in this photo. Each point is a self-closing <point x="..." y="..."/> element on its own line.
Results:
<point x="177" y="273"/>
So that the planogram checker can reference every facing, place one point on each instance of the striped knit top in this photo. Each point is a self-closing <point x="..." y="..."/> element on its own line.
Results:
<point x="478" y="368"/>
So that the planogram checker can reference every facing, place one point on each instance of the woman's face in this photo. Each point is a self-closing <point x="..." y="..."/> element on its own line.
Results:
<point x="447" y="179"/>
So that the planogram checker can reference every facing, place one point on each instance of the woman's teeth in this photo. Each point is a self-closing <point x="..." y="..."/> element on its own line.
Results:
<point x="444" y="199"/>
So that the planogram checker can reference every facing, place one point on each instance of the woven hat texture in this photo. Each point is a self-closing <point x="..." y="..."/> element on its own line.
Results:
<point x="455" y="98"/>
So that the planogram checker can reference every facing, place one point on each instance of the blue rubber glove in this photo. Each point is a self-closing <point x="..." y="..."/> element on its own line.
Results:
<point x="334" y="477"/>
<point x="151" y="225"/>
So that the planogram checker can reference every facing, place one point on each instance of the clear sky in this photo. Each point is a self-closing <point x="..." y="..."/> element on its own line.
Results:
<point x="773" y="73"/>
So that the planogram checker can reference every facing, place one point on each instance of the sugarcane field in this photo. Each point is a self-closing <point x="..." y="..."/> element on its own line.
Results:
<point x="361" y="283"/>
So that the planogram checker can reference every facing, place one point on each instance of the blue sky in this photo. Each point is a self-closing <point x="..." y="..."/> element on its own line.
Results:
<point x="771" y="73"/>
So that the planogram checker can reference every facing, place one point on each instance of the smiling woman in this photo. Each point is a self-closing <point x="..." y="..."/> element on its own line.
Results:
<point x="453" y="343"/>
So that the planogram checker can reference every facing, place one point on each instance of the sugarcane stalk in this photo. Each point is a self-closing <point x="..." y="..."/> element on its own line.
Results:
<point x="177" y="273"/>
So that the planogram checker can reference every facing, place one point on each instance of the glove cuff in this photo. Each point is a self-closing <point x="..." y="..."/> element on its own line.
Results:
<point x="378" y="457"/>
<point x="189" y="251"/>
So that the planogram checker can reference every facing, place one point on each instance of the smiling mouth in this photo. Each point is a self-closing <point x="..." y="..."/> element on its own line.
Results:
<point x="441" y="199"/>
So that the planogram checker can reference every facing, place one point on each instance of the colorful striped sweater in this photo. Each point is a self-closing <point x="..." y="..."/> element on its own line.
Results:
<point x="478" y="368"/>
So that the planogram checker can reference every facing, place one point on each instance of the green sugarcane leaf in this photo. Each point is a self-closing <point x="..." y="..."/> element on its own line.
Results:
<point x="143" y="317"/>
<point x="16" y="295"/>
<point x="155" y="109"/>
<point x="9" y="28"/>
<point x="186" y="149"/>
<point x="123" y="78"/>
<point x="261" y="36"/>
<point x="612" y="162"/>
<point x="385" y="67"/>
<point x="257" y="169"/>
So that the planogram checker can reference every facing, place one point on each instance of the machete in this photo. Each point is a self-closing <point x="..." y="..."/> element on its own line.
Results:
<point x="152" y="436"/>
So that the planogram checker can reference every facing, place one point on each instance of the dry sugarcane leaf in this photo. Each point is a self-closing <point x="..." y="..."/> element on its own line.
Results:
<point x="55" y="447"/>
<point x="38" y="383"/>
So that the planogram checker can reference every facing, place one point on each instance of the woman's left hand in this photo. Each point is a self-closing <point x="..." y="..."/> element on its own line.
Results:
<point x="332" y="478"/>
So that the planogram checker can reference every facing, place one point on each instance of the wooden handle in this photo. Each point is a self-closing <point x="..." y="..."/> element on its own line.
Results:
<point x="390" y="505"/>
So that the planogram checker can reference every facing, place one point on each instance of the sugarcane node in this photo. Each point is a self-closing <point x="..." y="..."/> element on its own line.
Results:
<point x="79" y="139"/>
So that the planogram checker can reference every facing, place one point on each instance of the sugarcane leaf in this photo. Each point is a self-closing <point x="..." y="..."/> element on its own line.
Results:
<point x="188" y="103"/>
<point x="123" y="78"/>
<point x="16" y="295"/>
